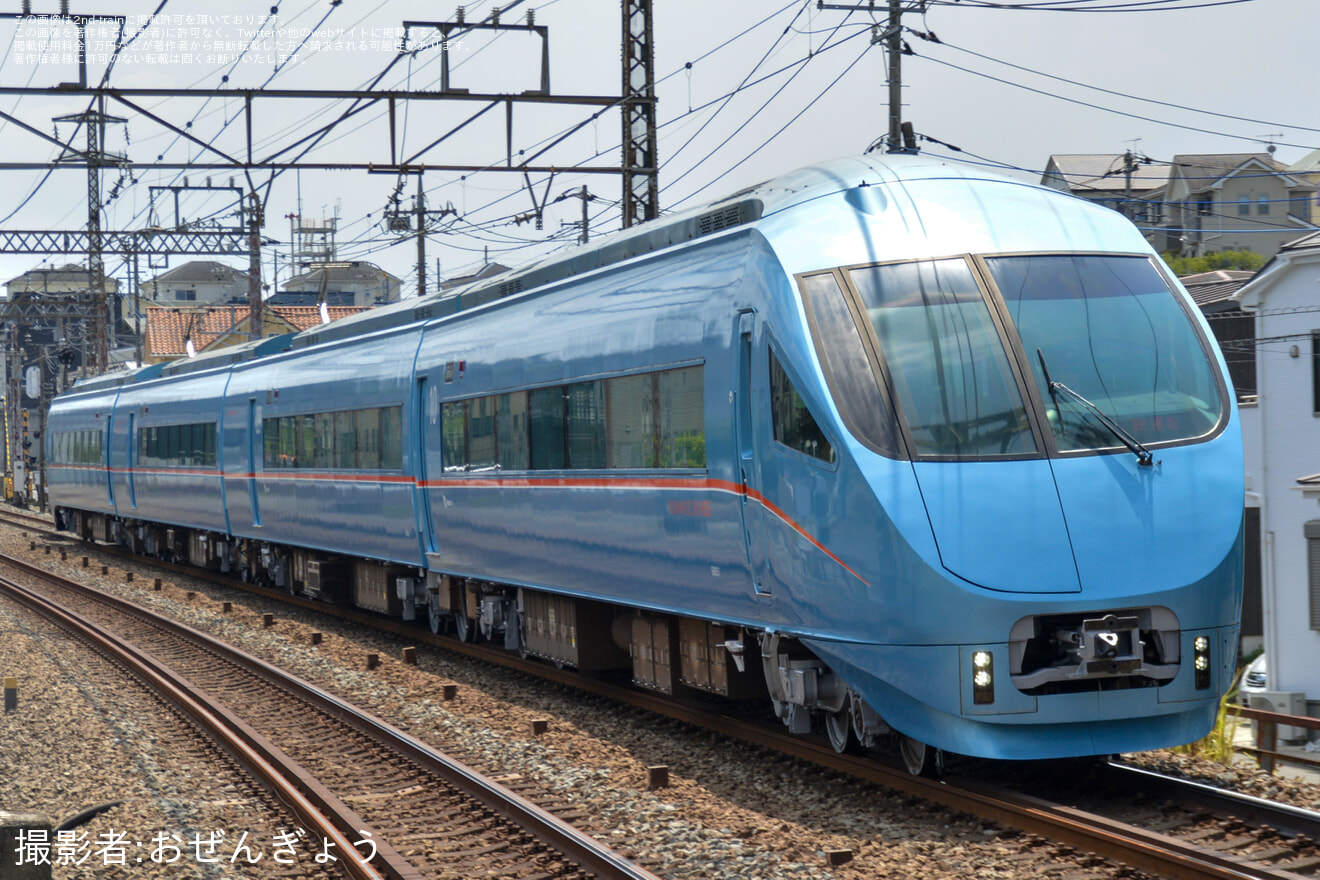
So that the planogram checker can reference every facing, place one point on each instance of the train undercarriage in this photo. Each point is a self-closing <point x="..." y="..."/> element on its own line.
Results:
<point x="662" y="652"/>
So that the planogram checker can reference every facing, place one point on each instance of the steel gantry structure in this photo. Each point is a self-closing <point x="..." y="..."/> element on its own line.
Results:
<point x="298" y="150"/>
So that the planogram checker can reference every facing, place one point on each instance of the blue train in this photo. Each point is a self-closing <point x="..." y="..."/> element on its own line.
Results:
<point x="905" y="448"/>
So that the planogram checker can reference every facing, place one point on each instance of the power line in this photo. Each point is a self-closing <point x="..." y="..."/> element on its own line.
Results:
<point x="1092" y="106"/>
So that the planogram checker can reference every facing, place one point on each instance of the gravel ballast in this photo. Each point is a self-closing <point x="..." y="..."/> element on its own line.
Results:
<point x="731" y="810"/>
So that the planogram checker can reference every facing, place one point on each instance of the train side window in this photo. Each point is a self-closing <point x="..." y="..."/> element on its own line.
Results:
<point x="345" y="440"/>
<point x="793" y="424"/>
<point x="391" y="438"/>
<point x="288" y="442"/>
<point x="324" y="441"/>
<point x="848" y="369"/>
<point x="546" y="406"/>
<point x="368" y="439"/>
<point x="174" y="444"/>
<point x="481" y="433"/>
<point x="270" y="432"/>
<point x="511" y="427"/>
<point x="304" y="444"/>
<point x="682" y="418"/>
<point x="453" y="419"/>
<point x="586" y="424"/>
<point x="630" y="435"/>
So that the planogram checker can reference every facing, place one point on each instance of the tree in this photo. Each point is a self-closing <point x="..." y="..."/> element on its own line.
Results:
<point x="1248" y="261"/>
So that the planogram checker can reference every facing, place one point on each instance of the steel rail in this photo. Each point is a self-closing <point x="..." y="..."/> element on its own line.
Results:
<point x="580" y="848"/>
<point x="1151" y="851"/>
<point x="1285" y="818"/>
<point x="253" y="752"/>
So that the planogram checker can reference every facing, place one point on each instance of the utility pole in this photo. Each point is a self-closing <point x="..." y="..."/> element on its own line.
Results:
<point x="255" y="329"/>
<point x="899" y="138"/>
<point x="895" y="31"/>
<point x="583" y="225"/>
<point x="420" y="209"/>
<point x="399" y="221"/>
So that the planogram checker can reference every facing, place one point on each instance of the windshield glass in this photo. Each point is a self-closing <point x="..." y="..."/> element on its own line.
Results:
<point x="1110" y="328"/>
<point x="950" y="373"/>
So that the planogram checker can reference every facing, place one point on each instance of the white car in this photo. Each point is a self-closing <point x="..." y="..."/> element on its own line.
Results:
<point x="1254" y="680"/>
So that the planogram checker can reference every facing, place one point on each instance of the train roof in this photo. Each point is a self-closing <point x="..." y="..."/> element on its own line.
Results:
<point x="918" y="185"/>
<point x="927" y="193"/>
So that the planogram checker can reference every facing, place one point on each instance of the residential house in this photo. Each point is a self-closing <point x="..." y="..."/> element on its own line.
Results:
<point x="45" y="280"/>
<point x="1215" y="294"/>
<point x="1281" y="436"/>
<point x="1114" y="180"/>
<point x="61" y="340"/>
<point x="1231" y="202"/>
<point x="340" y="284"/>
<point x="1199" y="203"/>
<point x="197" y="282"/>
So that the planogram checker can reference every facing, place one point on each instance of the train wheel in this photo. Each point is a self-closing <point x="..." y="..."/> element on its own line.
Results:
<point x="435" y="617"/>
<point x="921" y="759"/>
<point x="463" y="627"/>
<point x="839" y="727"/>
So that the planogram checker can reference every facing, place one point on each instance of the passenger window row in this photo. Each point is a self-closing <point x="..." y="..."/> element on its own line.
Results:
<point x="362" y="439"/>
<point x="648" y="420"/>
<point x="190" y="445"/>
<point x="77" y="447"/>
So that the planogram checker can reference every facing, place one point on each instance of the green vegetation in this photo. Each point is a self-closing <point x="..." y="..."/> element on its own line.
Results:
<point x="1245" y="260"/>
<point x="1217" y="745"/>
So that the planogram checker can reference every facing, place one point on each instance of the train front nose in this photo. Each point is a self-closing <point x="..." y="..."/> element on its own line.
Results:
<point x="1000" y="525"/>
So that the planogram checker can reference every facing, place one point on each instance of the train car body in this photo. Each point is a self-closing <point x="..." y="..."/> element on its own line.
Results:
<point x="908" y="447"/>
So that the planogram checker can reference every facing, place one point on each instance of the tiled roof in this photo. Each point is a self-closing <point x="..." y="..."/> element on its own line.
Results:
<point x="1104" y="171"/>
<point x="69" y="273"/>
<point x="351" y="273"/>
<point x="199" y="272"/>
<point x="169" y="329"/>
<point x="1306" y="241"/>
<point x="1203" y="170"/>
<point x="1207" y="288"/>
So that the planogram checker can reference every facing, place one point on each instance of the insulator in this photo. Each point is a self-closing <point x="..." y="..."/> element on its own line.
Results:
<point x="460" y="14"/>
<point x="495" y="15"/>
<point x="531" y="17"/>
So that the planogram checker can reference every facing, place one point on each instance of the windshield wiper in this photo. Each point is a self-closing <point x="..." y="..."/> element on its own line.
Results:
<point x="1144" y="457"/>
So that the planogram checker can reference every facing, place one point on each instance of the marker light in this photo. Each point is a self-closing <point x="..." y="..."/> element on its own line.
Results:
<point x="983" y="678"/>
<point x="1201" y="662"/>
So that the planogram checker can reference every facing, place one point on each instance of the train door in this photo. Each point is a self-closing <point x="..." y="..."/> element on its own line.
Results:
<point x="130" y="460"/>
<point x="253" y="448"/>
<point x="749" y="476"/>
<point x="108" y="458"/>
<point x="426" y="418"/>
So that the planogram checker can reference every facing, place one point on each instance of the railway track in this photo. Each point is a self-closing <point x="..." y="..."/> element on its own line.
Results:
<point x="1165" y="826"/>
<point x="22" y="518"/>
<point x="354" y="781"/>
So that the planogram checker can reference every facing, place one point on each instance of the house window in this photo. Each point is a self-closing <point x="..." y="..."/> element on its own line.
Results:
<point x="1263" y="205"/>
<point x="1315" y="372"/>
<point x="182" y="295"/>
<point x="1312" y="532"/>
<point x="1244" y="205"/>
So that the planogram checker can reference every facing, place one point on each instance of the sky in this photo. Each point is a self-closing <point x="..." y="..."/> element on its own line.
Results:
<point x="746" y="91"/>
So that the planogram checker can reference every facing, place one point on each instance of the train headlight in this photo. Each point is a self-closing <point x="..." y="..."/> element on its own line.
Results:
<point x="983" y="678"/>
<point x="1201" y="662"/>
